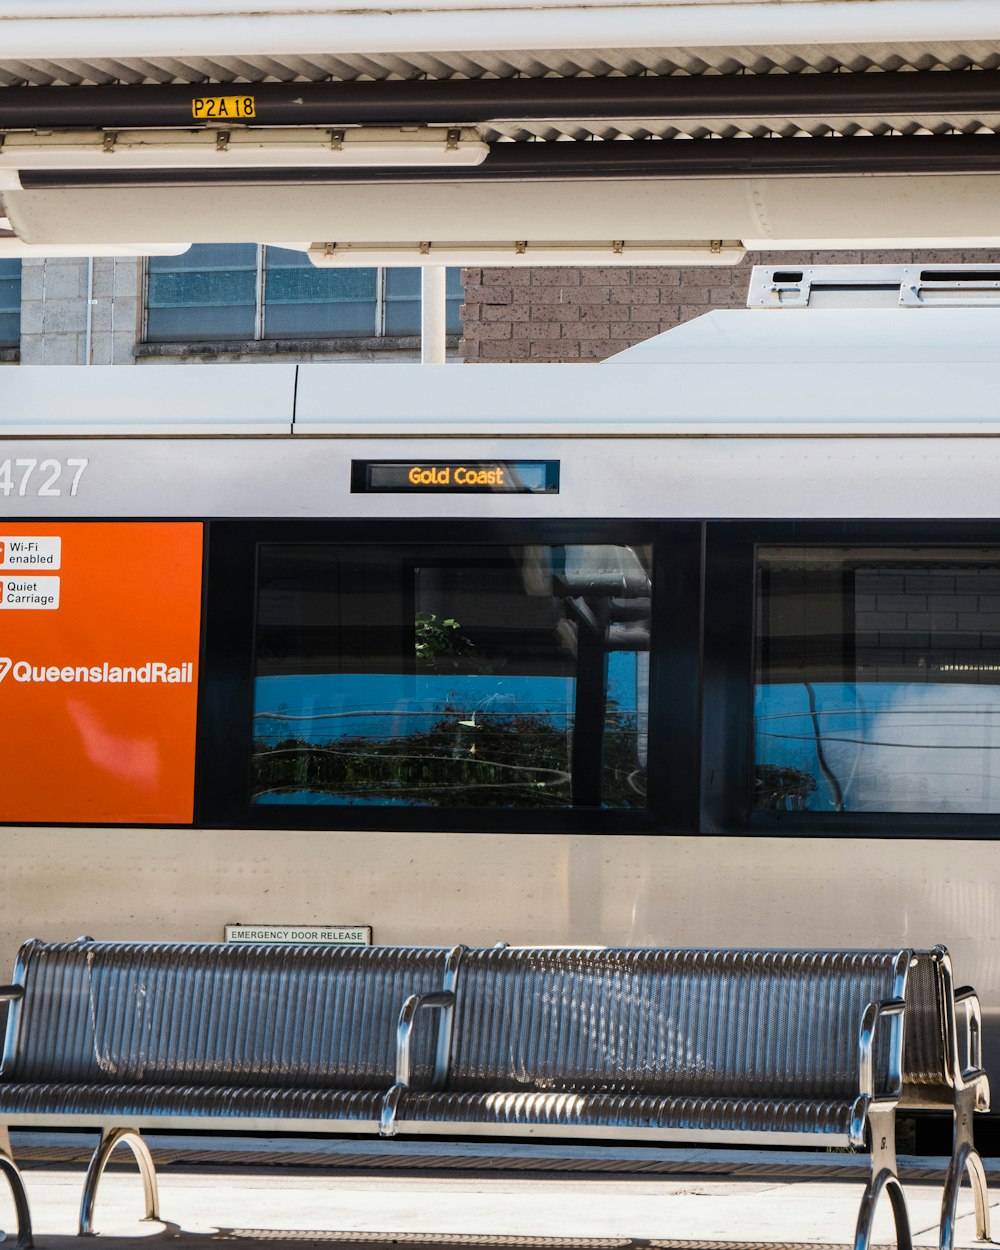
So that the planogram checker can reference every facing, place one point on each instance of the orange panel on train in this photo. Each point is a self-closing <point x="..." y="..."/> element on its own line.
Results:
<point x="99" y="636"/>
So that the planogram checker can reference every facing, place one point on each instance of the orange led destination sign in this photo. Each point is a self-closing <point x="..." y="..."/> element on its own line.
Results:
<point x="518" y="477"/>
<point x="100" y="628"/>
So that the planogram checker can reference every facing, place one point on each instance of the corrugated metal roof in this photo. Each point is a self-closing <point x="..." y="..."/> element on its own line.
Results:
<point x="318" y="67"/>
<point x="65" y="44"/>
<point x="791" y="59"/>
<point x="554" y="129"/>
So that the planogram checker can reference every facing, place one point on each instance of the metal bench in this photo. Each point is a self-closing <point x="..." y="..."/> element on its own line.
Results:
<point x="120" y="1036"/>
<point x="660" y="1045"/>
<point x="943" y="1071"/>
<point x="742" y="1047"/>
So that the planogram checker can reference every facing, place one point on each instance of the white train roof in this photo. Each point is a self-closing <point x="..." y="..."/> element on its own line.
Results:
<point x="794" y="372"/>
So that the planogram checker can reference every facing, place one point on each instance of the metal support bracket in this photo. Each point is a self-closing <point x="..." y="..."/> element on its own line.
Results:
<point x="110" y="1139"/>
<point x="964" y="1158"/>
<point x="882" y="1129"/>
<point x="20" y="1196"/>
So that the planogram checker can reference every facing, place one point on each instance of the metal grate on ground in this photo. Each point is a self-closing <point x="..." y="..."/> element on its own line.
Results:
<point x="40" y="1149"/>
<point x="451" y="1241"/>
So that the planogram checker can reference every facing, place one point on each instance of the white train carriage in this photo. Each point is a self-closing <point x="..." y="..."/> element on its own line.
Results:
<point x="698" y="646"/>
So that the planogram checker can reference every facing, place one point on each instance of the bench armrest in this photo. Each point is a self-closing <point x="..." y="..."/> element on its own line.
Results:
<point x="440" y="1000"/>
<point x="968" y="998"/>
<point x="874" y="1013"/>
<point x="11" y="993"/>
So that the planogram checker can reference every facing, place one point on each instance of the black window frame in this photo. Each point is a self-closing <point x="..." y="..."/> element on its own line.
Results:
<point x="701" y="691"/>
<point x="729" y="674"/>
<point x="226" y="696"/>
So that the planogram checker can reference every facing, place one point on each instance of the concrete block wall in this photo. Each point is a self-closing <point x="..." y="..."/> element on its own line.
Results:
<point x="56" y="295"/>
<point x="550" y="314"/>
<point x="935" y="625"/>
<point x="588" y="314"/>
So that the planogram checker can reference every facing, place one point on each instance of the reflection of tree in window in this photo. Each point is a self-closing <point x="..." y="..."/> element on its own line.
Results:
<point x="465" y="677"/>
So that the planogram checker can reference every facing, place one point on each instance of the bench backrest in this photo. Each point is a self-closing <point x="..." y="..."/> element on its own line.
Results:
<point x="927" y="1059"/>
<point x="290" y="1016"/>
<point x="699" y="1023"/>
<point x="648" y="1021"/>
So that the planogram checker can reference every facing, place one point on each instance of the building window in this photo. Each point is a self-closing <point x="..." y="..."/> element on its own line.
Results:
<point x="10" y="303"/>
<point x="241" y="291"/>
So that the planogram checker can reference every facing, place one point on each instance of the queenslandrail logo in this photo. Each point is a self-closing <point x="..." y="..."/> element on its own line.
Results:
<point x="153" y="672"/>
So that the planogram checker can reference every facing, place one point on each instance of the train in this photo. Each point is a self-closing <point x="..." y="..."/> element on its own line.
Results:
<point x="697" y="646"/>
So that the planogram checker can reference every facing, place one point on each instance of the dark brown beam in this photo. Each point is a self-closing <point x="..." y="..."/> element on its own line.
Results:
<point x="479" y="100"/>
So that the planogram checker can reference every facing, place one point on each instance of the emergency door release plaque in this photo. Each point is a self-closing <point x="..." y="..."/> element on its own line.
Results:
<point x="315" y="934"/>
<point x="457" y="477"/>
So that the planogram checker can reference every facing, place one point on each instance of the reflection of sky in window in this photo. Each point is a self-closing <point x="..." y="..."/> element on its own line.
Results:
<point x="321" y="707"/>
<point x="891" y="746"/>
<point x="530" y="474"/>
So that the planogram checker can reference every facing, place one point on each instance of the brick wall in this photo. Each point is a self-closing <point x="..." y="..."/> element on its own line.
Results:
<point x="587" y="314"/>
<point x="940" y="624"/>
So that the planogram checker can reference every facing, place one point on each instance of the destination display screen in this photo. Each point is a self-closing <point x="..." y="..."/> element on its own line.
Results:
<point x="516" y="477"/>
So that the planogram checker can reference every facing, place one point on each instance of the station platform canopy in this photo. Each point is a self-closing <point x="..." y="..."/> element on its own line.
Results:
<point x="457" y="131"/>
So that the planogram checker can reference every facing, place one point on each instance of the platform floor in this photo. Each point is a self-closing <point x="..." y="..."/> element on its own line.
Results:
<point x="257" y="1192"/>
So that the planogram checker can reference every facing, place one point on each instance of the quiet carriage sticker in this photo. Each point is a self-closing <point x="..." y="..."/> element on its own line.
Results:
<point x="99" y="635"/>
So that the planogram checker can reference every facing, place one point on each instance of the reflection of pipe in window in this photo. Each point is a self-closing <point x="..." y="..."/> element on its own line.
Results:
<point x="825" y="769"/>
<point x="642" y="705"/>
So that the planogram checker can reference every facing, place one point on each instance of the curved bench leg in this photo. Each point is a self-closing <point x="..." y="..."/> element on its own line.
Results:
<point x="965" y="1158"/>
<point x="882" y="1128"/>
<point x="888" y="1181"/>
<point x="980" y="1194"/>
<point x="18" y="1192"/>
<point x="110" y="1139"/>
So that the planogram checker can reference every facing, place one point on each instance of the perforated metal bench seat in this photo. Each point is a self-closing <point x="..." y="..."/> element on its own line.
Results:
<point x="753" y="1047"/>
<point x="635" y="1116"/>
<point x="193" y="1106"/>
<point x="312" y="1110"/>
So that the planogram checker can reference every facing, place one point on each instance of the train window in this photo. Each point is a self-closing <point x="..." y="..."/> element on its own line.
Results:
<point x="877" y="680"/>
<point x="451" y="675"/>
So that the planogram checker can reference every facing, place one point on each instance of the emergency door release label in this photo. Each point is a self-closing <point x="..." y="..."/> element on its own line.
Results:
<point x="99" y="671"/>
<point x="314" y="934"/>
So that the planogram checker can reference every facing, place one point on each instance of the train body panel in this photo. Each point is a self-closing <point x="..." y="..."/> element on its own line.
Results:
<point x="674" y="477"/>
<point x="735" y="599"/>
<point x="482" y="888"/>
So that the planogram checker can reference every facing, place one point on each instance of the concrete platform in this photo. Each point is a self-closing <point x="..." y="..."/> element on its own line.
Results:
<point x="747" y="1201"/>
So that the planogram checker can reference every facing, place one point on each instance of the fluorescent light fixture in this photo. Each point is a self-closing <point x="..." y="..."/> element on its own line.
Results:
<point x="238" y="148"/>
<point x="14" y="249"/>
<point x="523" y="252"/>
<point x="11" y="247"/>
